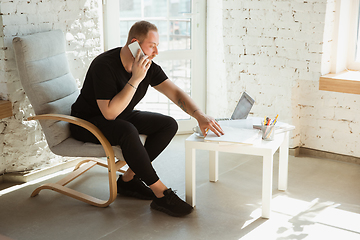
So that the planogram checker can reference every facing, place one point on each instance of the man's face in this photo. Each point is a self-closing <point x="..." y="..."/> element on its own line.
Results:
<point x="150" y="44"/>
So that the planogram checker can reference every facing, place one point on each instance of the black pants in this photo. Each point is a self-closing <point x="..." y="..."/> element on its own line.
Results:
<point x="124" y="131"/>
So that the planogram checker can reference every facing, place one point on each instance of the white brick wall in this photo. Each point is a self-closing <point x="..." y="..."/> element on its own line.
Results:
<point x="22" y="143"/>
<point x="276" y="51"/>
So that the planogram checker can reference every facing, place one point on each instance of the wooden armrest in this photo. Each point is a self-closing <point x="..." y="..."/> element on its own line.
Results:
<point x="82" y="123"/>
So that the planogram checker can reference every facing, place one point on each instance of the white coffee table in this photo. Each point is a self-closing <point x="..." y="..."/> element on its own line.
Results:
<point x="266" y="149"/>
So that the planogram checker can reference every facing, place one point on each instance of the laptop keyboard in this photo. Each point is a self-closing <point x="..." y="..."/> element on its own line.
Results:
<point x="222" y="119"/>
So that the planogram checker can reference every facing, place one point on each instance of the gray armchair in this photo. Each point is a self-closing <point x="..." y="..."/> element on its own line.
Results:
<point x="51" y="89"/>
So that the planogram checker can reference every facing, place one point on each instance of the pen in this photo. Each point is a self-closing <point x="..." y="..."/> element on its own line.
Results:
<point x="273" y="123"/>
<point x="268" y="120"/>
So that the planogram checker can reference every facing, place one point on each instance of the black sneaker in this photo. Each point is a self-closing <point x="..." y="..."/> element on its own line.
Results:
<point x="134" y="188"/>
<point x="171" y="204"/>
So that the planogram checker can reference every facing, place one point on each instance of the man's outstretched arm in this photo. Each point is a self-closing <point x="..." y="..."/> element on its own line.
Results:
<point x="187" y="104"/>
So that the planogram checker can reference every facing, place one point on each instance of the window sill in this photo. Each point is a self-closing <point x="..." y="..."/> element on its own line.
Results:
<point x="344" y="82"/>
<point x="5" y="109"/>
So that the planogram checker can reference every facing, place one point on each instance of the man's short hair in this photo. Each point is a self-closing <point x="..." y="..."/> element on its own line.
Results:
<point x="140" y="30"/>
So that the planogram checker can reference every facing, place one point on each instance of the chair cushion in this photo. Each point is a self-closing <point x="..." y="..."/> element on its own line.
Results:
<point x="46" y="78"/>
<point x="73" y="148"/>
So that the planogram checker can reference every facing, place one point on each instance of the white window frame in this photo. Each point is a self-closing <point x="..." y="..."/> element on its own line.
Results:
<point x="111" y="33"/>
<point x="344" y="70"/>
<point x="344" y="38"/>
<point x="353" y="37"/>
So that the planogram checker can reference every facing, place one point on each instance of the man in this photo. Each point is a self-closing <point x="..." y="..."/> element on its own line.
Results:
<point x="114" y="84"/>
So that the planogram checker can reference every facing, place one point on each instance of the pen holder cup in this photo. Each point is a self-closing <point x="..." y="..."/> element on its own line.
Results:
<point x="268" y="132"/>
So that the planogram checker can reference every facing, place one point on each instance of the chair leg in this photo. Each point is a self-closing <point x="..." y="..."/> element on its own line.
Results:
<point x="99" y="162"/>
<point x="118" y="164"/>
<point x="77" y="173"/>
<point x="74" y="194"/>
<point x="60" y="186"/>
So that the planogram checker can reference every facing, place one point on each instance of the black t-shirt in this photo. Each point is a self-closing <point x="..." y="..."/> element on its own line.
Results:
<point x="105" y="78"/>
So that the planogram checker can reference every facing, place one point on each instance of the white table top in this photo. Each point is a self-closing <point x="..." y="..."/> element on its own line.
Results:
<point x="259" y="146"/>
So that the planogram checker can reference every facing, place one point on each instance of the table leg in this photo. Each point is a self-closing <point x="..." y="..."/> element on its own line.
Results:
<point x="213" y="166"/>
<point x="267" y="185"/>
<point x="190" y="175"/>
<point x="283" y="163"/>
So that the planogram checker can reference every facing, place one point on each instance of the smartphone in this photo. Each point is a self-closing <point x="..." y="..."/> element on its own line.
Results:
<point x="134" y="49"/>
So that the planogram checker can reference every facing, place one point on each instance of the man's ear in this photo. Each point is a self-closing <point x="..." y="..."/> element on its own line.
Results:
<point x="134" y="40"/>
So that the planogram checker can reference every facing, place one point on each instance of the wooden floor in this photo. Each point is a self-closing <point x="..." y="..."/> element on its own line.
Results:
<point x="322" y="202"/>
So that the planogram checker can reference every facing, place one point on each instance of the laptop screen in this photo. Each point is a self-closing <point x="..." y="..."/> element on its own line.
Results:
<point x="243" y="107"/>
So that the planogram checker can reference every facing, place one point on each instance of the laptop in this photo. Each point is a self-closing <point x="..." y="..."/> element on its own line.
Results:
<point x="242" y="109"/>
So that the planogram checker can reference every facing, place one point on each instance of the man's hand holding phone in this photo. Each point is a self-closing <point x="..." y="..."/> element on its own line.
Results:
<point x="141" y="63"/>
<point x="134" y="49"/>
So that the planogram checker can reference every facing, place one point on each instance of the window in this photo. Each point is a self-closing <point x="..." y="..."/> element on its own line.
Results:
<point x="181" y="26"/>
<point x="344" y="65"/>
<point x="354" y="47"/>
<point x="345" y="37"/>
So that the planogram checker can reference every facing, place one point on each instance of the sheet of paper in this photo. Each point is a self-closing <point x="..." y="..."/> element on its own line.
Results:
<point x="236" y="135"/>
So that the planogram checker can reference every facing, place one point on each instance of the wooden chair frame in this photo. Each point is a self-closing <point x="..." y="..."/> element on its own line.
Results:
<point x="84" y="165"/>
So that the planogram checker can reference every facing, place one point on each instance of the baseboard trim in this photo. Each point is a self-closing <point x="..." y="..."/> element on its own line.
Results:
<point x="303" y="151"/>
<point x="23" y="177"/>
<point x="294" y="151"/>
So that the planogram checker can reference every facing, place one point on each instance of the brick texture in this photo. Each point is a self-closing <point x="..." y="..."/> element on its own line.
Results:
<point x="23" y="146"/>
<point x="276" y="51"/>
